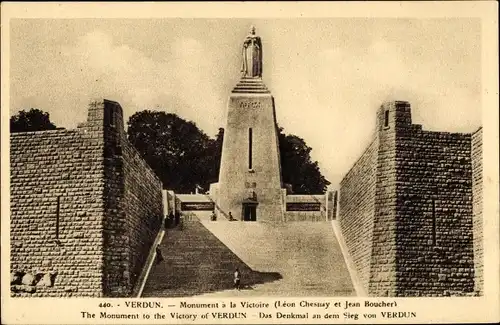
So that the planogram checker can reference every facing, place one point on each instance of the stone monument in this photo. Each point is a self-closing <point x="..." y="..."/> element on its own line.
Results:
<point x="250" y="185"/>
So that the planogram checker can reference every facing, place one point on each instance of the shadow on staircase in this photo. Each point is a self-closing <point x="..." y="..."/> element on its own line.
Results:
<point x="196" y="262"/>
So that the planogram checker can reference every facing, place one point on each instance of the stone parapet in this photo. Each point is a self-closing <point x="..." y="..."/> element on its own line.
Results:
<point x="85" y="208"/>
<point x="409" y="209"/>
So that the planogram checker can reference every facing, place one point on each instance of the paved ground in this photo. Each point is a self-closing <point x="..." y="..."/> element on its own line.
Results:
<point x="290" y="259"/>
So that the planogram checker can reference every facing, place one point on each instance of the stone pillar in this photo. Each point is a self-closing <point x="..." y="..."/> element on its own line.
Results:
<point x="164" y="194"/>
<point x="117" y="264"/>
<point x="250" y="170"/>
<point x="383" y="260"/>
<point x="250" y="163"/>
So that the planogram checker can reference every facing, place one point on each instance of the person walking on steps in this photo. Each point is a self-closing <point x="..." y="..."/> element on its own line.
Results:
<point x="177" y="218"/>
<point x="159" y="256"/>
<point x="237" y="279"/>
<point x="169" y="222"/>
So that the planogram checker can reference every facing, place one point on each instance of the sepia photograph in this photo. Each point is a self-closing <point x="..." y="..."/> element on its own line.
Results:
<point x="244" y="158"/>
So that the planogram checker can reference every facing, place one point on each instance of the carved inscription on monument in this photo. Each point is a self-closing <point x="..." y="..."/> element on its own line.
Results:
<point x="197" y="206"/>
<point x="303" y="206"/>
<point x="250" y="104"/>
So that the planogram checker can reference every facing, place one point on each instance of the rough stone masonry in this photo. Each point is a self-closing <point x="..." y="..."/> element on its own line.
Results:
<point x="85" y="209"/>
<point x="410" y="209"/>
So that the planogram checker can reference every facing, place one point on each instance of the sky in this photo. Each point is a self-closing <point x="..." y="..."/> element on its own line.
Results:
<point x="328" y="76"/>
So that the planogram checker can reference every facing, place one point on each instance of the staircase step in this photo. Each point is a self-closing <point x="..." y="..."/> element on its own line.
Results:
<point x="301" y="259"/>
<point x="244" y="91"/>
<point x="250" y="85"/>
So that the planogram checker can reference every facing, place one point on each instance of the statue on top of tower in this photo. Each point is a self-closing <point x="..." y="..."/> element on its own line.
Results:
<point x="252" y="56"/>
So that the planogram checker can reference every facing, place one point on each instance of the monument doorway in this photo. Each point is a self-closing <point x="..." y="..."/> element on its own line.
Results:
<point x="249" y="212"/>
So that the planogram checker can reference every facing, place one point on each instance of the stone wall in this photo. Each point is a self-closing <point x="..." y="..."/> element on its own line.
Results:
<point x="134" y="207"/>
<point x="203" y="205"/>
<point x="434" y="214"/>
<point x="198" y="205"/>
<point x="116" y="271"/>
<point x="333" y="200"/>
<point x="390" y="117"/>
<point x="170" y="202"/>
<point x="477" y="207"/>
<point x="356" y="210"/>
<point x="143" y="207"/>
<point x="83" y="208"/>
<point x="421" y="209"/>
<point x="49" y="239"/>
<point x="305" y="206"/>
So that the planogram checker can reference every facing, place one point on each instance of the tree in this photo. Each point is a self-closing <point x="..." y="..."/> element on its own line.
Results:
<point x="32" y="120"/>
<point x="176" y="149"/>
<point x="184" y="157"/>
<point x="213" y="156"/>
<point x="297" y="167"/>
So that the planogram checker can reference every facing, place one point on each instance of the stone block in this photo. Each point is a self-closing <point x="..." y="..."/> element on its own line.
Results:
<point x="23" y="289"/>
<point x="47" y="263"/>
<point x="70" y="289"/>
<point x="46" y="281"/>
<point x="28" y="279"/>
<point x="16" y="278"/>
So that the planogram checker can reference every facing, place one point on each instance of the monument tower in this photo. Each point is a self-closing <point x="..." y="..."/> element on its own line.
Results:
<point x="250" y="185"/>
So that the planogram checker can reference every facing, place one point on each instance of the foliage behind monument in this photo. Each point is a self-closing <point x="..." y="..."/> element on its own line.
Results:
<point x="32" y="120"/>
<point x="177" y="150"/>
<point x="184" y="157"/>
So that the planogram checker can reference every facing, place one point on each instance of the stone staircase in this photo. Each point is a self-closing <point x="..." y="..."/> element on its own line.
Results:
<point x="306" y="254"/>
<point x="196" y="262"/>
<point x="289" y="259"/>
<point x="251" y="85"/>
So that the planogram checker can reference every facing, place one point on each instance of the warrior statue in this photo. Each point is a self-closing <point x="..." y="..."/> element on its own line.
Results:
<point x="252" y="56"/>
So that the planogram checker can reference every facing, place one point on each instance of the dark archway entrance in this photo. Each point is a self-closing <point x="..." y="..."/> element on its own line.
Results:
<point x="249" y="211"/>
